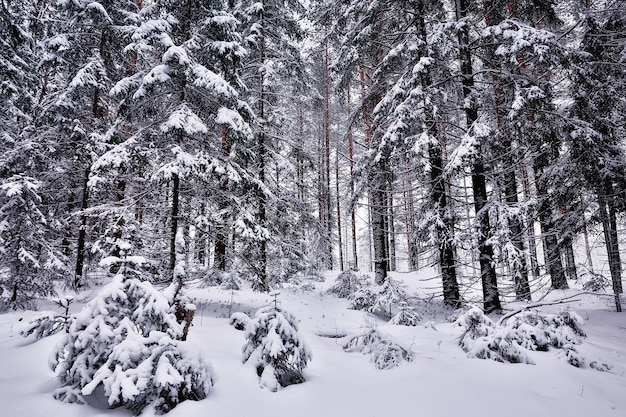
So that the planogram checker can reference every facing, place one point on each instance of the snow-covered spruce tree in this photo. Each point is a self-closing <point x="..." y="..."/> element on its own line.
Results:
<point x="406" y="315"/>
<point x="183" y="102"/>
<point x="31" y="260"/>
<point x="275" y="348"/>
<point x="346" y="284"/>
<point x="128" y="340"/>
<point x="18" y="84"/>
<point x="82" y="58"/>
<point x="274" y="74"/>
<point x="389" y="295"/>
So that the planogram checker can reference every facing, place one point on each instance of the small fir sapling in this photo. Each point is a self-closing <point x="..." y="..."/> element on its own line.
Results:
<point x="390" y="294"/>
<point x="362" y="299"/>
<point x="48" y="323"/>
<point x="406" y="315"/>
<point x="275" y="347"/>
<point x="346" y="284"/>
<point x="128" y="340"/>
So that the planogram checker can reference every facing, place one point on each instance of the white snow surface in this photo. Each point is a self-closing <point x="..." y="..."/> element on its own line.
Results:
<point x="440" y="381"/>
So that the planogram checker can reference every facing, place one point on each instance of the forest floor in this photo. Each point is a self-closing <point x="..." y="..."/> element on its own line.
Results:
<point x="440" y="382"/>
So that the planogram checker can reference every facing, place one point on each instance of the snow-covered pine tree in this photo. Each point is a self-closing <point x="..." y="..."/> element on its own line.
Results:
<point x="410" y="117"/>
<point x="82" y="58"/>
<point x="275" y="348"/>
<point x="18" y="85"/>
<point x="32" y="261"/>
<point x="128" y="340"/>
<point x="183" y="102"/>
<point x="597" y="152"/>
<point x="275" y="76"/>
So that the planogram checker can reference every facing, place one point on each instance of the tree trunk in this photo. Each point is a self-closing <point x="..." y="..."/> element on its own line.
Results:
<point x="391" y="231"/>
<point x="352" y="210"/>
<point x="82" y="233"/>
<point x="379" y="238"/>
<point x="174" y="219"/>
<point x="520" y="271"/>
<point x="221" y="234"/>
<point x="491" y="297"/>
<point x="611" y="249"/>
<point x="262" y="284"/>
<point x="570" y="260"/>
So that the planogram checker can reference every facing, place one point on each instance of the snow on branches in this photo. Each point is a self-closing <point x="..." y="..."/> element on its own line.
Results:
<point x="128" y="340"/>
<point x="528" y="331"/>
<point x="275" y="348"/>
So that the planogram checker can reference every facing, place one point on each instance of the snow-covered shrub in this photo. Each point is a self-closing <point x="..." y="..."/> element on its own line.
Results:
<point x="597" y="283"/>
<point x="384" y="352"/>
<point x="390" y="294"/>
<point x="528" y="330"/>
<point x="362" y="299"/>
<point x="48" y="323"/>
<point x="128" y="340"/>
<point x="482" y="339"/>
<point x="537" y="331"/>
<point x="239" y="320"/>
<point x="406" y="316"/>
<point x="346" y="284"/>
<point x="275" y="347"/>
<point x="45" y="324"/>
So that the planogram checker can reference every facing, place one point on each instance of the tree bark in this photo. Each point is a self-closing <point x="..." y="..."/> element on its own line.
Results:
<point x="611" y="248"/>
<point x="82" y="233"/>
<point x="174" y="219"/>
<point x="491" y="297"/>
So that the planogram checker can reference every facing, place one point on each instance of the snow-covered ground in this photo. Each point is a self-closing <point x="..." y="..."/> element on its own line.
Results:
<point x="440" y="381"/>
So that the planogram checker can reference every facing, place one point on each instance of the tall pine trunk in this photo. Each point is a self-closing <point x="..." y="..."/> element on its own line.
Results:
<point x="82" y="233"/>
<point x="444" y="226"/>
<point x="491" y="296"/>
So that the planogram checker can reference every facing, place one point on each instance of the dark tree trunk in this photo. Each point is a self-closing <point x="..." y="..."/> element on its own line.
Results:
<point x="520" y="271"/>
<point x="391" y="232"/>
<point x="611" y="248"/>
<point x="221" y="234"/>
<point x="262" y="284"/>
<point x="352" y="210"/>
<point x="174" y="219"/>
<point x="444" y="228"/>
<point x="379" y="238"/>
<point x="570" y="260"/>
<point x="491" y="297"/>
<point x="82" y="233"/>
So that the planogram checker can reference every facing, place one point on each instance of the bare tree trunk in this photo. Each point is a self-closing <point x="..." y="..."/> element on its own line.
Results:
<point x="82" y="233"/>
<point x="174" y="219"/>
<point x="263" y="284"/>
<point x="570" y="260"/>
<point x="339" y="232"/>
<point x="327" y="196"/>
<point x="221" y="234"/>
<point x="530" y="227"/>
<point x="491" y="296"/>
<point x="352" y="206"/>
<point x="391" y="231"/>
<point x="611" y="248"/>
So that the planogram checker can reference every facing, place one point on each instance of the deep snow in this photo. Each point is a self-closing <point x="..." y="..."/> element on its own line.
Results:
<point x="441" y="381"/>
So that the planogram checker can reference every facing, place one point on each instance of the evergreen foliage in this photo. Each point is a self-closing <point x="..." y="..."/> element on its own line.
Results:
<point x="31" y="262"/>
<point x="128" y="340"/>
<point x="275" y="348"/>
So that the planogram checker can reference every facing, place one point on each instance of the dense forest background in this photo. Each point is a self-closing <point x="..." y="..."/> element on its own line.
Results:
<point x="283" y="138"/>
